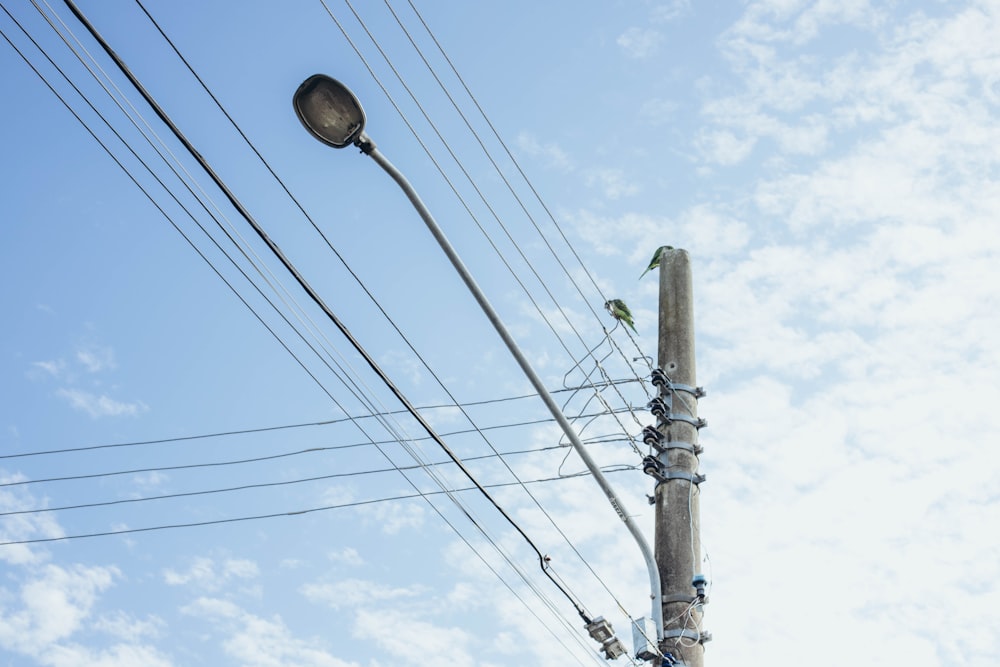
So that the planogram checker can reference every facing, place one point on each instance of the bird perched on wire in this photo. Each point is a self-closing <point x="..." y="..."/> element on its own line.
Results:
<point x="620" y="312"/>
<point x="655" y="262"/>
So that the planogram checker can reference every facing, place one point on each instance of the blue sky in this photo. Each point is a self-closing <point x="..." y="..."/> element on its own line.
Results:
<point x="832" y="168"/>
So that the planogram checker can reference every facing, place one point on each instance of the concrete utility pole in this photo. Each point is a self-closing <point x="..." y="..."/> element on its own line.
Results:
<point x="678" y="533"/>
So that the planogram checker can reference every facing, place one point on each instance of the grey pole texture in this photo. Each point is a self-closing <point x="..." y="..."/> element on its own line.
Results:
<point x="677" y="539"/>
<point x="536" y="382"/>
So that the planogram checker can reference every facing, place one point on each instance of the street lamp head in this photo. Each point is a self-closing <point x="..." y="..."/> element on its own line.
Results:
<point x="330" y="112"/>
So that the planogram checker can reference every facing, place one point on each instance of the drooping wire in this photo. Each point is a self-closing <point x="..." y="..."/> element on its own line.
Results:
<point x="472" y="547"/>
<point x="290" y="482"/>
<point x="451" y="185"/>
<point x="433" y="373"/>
<point x="475" y="219"/>
<point x="315" y="297"/>
<point x="524" y="176"/>
<point x="499" y="171"/>
<point x="324" y="422"/>
<point x="300" y="452"/>
<point x="261" y="157"/>
<point x="152" y="199"/>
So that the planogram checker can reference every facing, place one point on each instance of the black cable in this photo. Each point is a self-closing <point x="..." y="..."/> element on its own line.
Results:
<point x="371" y="442"/>
<point x="238" y="205"/>
<point x="278" y="514"/>
<point x="326" y="422"/>
<point x="153" y="201"/>
<point x="303" y="480"/>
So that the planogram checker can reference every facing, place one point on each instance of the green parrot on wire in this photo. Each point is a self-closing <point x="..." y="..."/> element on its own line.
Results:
<point x="655" y="262"/>
<point x="620" y="312"/>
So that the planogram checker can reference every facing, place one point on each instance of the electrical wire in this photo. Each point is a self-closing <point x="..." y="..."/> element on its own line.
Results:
<point x="149" y="195"/>
<point x="325" y="422"/>
<point x="231" y="120"/>
<point x="451" y="185"/>
<point x="290" y="482"/>
<point x="312" y="293"/>
<point x="502" y="176"/>
<point x="300" y="452"/>
<point x="121" y="165"/>
<point x="524" y="176"/>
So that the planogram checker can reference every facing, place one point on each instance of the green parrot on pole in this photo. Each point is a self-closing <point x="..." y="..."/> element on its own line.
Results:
<point x="619" y="311"/>
<point x="655" y="262"/>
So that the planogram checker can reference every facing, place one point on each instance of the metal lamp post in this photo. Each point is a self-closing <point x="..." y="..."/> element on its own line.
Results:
<point x="332" y="114"/>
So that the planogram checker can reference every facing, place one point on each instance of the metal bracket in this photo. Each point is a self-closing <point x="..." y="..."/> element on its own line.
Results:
<point x="667" y="475"/>
<point x="698" y="422"/>
<point x="686" y="599"/>
<point x="662" y="381"/>
<point x="697" y="392"/>
<point x="680" y="444"/>
<point x="682" y="633"/>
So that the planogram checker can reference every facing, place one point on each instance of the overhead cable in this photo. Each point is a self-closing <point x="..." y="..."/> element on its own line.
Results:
<point x="316" y="298"/>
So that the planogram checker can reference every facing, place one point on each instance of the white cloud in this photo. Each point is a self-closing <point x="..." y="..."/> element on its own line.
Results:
<point x="17" y="527"/>
<point x="101" y="405"/>
<point x="207" y="574"/>
<point x="614" y="183"/>
<point x="347" y="556"/>
<point x="122" y="626"/>
<point x="668" y="11"/>
<point x="640" y="43"/>
<point x="52" y="368"/>
<point x="412" y="636"/>
<point x="260" y="642"/>
<point x="53" y="607"/>
<point x="395" y="517"/>
<point x="356" y="592"/>
<point x="552" y="154"/>
<point x="96" y="359"/>
<point x="725" y="148"/>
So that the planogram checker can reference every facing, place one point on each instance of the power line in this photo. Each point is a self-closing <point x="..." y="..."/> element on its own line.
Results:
<point x="136" y="182"/>
<point x="149" y="196"/>
<point x="317" y="478"/>
<point x="325" y="422"/>
<point x="276" y="251"/>
<point x="300" y="452"/>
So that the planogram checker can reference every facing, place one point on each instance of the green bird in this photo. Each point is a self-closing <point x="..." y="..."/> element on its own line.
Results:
<point x="620" y="312"/>
<point x="655" y="262"/>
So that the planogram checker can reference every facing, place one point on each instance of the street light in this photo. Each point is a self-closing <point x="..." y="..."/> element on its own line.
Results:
<point x="333" y="115"/>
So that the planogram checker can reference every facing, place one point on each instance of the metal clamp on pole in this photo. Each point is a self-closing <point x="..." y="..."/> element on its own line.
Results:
<point x="698" y="422"/>
<point x="655" y="439"/>
<point x="682" y="633"/>
<point x="663" y="382"/>
<point x="667" y="475"/>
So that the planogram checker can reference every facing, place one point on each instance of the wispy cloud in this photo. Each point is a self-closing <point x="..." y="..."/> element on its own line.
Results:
<point x="101" y="405"/>
<point x="355" y="592"/>
<point x="96" y="359"/>
<point x="52" y="607"/>
<point x="16" y="527"/>
<point x="261" y="642"/>
<point x="550" y="153"/>
<point x="614" y="183"/>
<point x="51" y="368"/>
<point x="206" y="573"/>
<point x="640" y="42"/>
